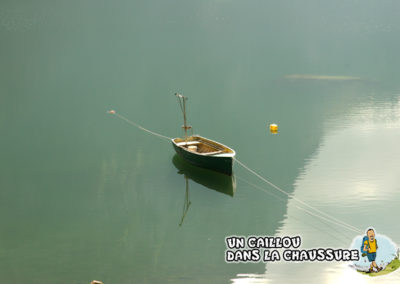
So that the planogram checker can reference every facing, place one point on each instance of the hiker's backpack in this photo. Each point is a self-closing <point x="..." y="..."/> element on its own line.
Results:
<point x="364" y="252"/>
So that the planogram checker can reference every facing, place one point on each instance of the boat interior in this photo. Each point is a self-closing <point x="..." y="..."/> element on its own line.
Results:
<point x="201" y="145"/>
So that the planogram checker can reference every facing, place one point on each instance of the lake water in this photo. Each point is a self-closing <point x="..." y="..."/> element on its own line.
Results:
<point x="84" y="195"/>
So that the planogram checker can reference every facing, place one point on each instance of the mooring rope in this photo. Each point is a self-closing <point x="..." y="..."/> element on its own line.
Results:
<point x="113" y="112"/>
<point x="335" y="236"/>
<point x="324" y="216"/>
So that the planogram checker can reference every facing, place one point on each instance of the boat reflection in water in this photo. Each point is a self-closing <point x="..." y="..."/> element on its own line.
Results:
<point x="187" y="202"/>
<point x="210" y="179"/>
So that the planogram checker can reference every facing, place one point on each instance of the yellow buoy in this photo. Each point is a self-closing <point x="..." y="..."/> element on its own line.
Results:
<point x="273" y="128"/>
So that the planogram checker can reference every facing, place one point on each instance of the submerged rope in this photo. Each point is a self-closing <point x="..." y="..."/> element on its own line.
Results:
<point x="113" y="112"/>
<point x="324" y="216"/>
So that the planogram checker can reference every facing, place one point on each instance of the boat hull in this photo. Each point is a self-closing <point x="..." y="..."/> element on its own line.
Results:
<point x="217" y="163"/>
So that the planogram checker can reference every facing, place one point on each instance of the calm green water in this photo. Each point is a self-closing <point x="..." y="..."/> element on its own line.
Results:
<point x="86" y="196"/>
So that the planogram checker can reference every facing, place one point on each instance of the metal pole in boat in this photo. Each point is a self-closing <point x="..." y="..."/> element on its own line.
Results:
<point x="182" y="101"/>
<point x="184" y="117"/>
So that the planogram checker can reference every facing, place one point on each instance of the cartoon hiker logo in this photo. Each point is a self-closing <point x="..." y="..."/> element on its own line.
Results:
<point x="369" y="247"/>
<point x="379" y="254"/>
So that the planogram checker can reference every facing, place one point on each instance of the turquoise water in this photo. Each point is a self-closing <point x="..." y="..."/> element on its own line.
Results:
<point x="84" y="195"/>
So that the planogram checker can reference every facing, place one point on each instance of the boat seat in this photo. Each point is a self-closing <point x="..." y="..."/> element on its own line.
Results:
<point x="212" y="153"/>
<point x="187" y="143"/>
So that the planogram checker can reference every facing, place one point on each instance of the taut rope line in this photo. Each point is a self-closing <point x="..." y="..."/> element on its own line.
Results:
<point x="137" y="125"/>
<point x="300" y="208"/>
<point x="324" y="216"/>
